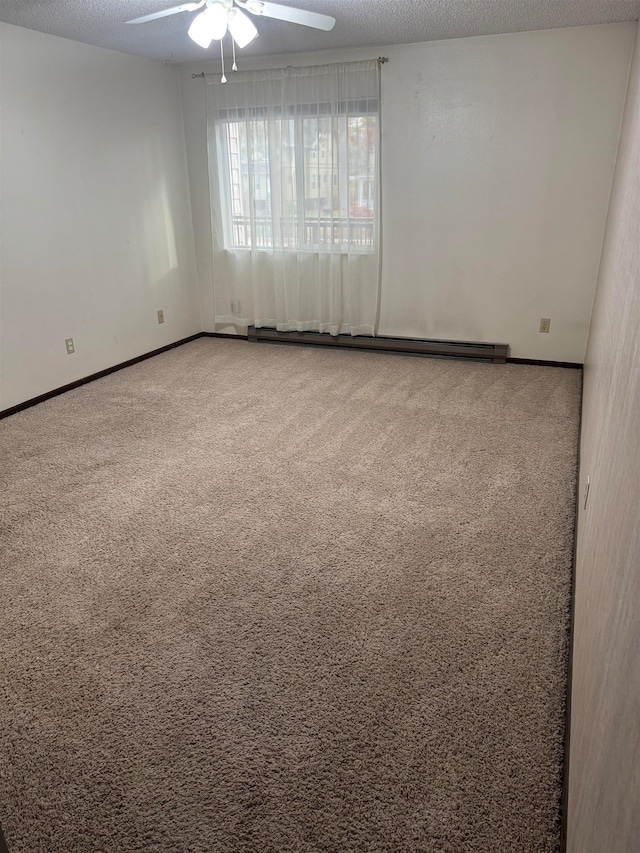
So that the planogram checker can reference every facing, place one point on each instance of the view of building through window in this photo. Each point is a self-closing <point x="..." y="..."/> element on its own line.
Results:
<point x="301" y="182"/>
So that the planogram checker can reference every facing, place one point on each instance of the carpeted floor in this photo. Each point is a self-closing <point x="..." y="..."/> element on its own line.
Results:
<point x="270" y="599"/>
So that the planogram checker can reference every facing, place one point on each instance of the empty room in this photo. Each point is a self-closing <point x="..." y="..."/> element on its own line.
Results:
<point x="319" y="426"/>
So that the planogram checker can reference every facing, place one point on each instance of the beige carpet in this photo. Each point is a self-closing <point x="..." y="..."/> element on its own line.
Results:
<point x="270" y="599"/>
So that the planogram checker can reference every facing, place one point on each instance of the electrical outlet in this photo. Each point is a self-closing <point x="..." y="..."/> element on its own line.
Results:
<point x="68" y="342"/>
<point x="545" y="324"/>
<point x="161" y="316"/>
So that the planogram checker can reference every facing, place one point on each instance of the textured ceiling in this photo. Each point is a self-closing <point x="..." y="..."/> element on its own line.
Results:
<point x="359" y="22"/>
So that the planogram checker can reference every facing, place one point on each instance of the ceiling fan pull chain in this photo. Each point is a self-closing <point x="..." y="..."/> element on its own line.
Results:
<point x="234" y="67"/>
<point x="223" y="79"/>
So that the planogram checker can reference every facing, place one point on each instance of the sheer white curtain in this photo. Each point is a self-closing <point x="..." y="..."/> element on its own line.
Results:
<point x="294" y="170"/>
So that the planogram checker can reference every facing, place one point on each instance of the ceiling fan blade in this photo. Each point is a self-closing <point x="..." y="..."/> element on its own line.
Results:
<point x="185" y="7"/>
<point x="289" y="13"/>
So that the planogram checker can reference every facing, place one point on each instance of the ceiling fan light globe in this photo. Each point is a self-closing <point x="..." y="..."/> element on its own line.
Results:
<point x="241" y="28"/>
<point x="217" y="19"/>
<point x="209" y="25"/>
<point x="199" y="31"/>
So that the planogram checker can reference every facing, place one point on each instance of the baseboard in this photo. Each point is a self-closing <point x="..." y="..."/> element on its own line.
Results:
<point x="564" y="800"/>
<point x="475" y="350"/>
<point x="12" y="410"/>
<point x="574" y="365"/>
<point x="224" y="335"/>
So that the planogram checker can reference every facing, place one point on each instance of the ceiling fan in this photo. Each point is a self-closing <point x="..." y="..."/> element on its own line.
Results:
<point x="222" y="15"/>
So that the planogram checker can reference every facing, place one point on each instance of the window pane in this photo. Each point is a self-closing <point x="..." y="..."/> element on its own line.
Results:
<point x="237" y="155"/>
<point x="361" y="144"/>
<point x="249" y="184"/>
<point x="302" y="182"/>
<point x="259" y="183"/>
<point x="286" y="183"/>
<point x="313" y="166"/>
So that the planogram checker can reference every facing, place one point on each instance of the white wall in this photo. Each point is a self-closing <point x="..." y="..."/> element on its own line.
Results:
<point x="497" y="166"/>
<point x="96" y="222"/>
<point x="604" y="770"/>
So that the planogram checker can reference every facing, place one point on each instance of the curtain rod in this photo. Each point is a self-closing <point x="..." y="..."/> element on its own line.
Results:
<point x="381" y="60"/>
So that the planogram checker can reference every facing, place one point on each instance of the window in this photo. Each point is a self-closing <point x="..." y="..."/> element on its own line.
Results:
<point x="276" y="190"/>
<point x="294" y="176"/>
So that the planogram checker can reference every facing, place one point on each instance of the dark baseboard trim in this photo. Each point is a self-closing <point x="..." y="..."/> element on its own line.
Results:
<point x="3" y="842"/>
<point x="564" y="801"/>
<point x="5" y="413"/>
<point x="223" y="335"/>
<point x="575" y="365"/>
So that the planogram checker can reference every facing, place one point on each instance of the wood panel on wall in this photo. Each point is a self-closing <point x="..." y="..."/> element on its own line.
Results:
<point x="604" y="765"/>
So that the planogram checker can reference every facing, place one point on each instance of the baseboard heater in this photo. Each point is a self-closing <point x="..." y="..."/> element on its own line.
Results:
<point x="497" y="353"/>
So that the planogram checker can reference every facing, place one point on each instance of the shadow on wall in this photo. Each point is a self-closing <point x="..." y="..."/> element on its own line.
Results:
<point x="157" y="206"/>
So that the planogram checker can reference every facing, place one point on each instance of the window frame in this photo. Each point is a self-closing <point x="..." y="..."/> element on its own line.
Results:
<point x="353" y="108"/>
